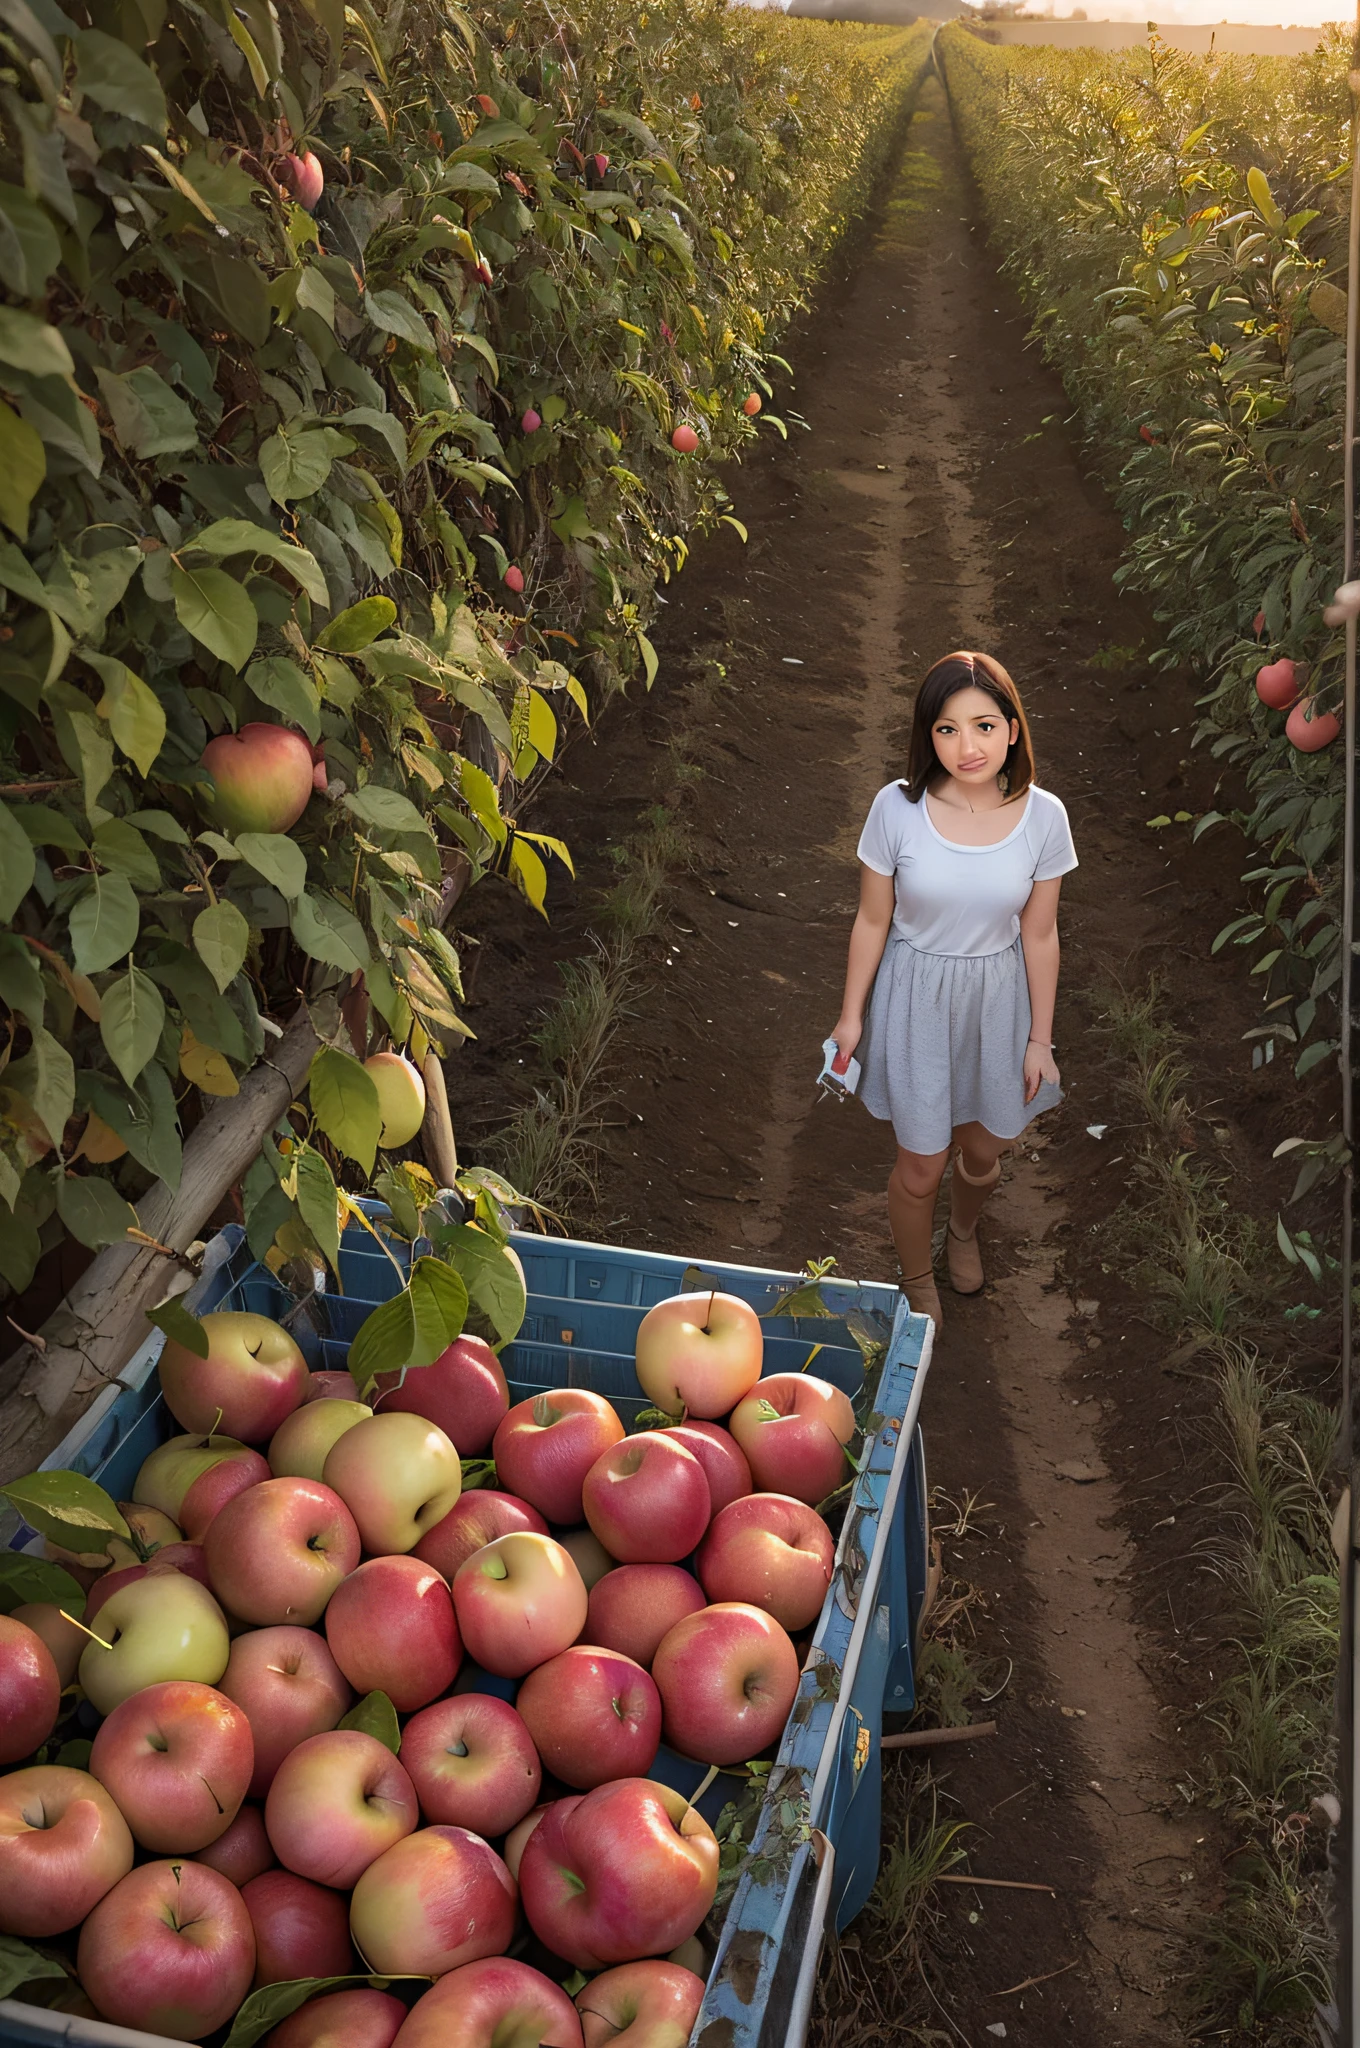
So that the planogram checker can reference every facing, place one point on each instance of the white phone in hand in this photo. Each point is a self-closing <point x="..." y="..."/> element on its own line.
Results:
<point x="844" y="1082"/>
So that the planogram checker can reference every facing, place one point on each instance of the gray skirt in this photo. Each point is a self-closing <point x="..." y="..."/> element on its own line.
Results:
<point x="944" y="1044"/>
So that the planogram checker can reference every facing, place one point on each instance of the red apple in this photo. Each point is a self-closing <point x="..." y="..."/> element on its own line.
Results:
<point x="30" y="1690"/>
<point x="727" y="1678"/>
<point x="601" y="163"/>
<point x="169" y="1950"/>
<point x="342" y="2019"/>
<point x="63" y="1844"/>
<point x="401" y="1096"/>
<point x="1258" y="624"/>
<point x="647" y="1500"/>
<point x="634" y="1607"/>
<point x="1277" y="684"/>
<point x="750" y="405"/>
<point x="488" y="105"/>
<point x="723" y="1460"/>
<point x="329" y="1386"/>
<point x="301" y="1928"/>
<point x="290" y="1687"/>
<point x="305" y="179"/>
<point x="496" y="2003"/>
<point x="794" y="1430"/>
<point x="189" y="1558"/>
<point x="472" y="1762"/>
<point x="398" y="1475"/>
<point x="640" y="2005"/>
<point x="531" y="421"/>
<point x="519" y="1601"/>
<point x="545" y="1447"/>
<point x="514" y="579"/>
<point x="474" y="1519"/>
<point x="64" y="1640"/>
<point x="699" y="1353"/>
<point x="1309" y="729"/>
<point x="684" y="440"/>
<point x="193" y="1477"/>
<point x="277" y="1553"/>
<point x="625" y="1871"/>
<point x="593" y="1715"/>
<point x="177" y="1758"/>
<point x="772" y="1552"/>
<point x="588" y="1554"/>
<point x="159" y="1627"/>
<point x="300" y="1445"/>
<point x="463" y="1392"/>
<point x="438" y="1899"/>
<point x="391" y="1629"/>
<point x="253" y="1376"/>
<point x="261" y="782"/>
<point x="243" y="1851"/>
<point x="337" y="1801"/>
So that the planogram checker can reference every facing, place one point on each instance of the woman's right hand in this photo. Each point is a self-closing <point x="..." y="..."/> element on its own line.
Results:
<point x="847" y="1034"/>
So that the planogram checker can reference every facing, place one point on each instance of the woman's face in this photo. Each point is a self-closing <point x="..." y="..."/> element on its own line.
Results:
<point x="972" y="737"/>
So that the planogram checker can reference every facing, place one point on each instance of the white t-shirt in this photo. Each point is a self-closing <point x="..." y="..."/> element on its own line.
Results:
<point x="963" y="900"/>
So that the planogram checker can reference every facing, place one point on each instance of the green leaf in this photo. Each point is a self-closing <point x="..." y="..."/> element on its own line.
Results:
<point x="47" y="1077"/>
<point x="393" y="314"/>
<point x="325" y="931"/>
<point x="68" y="1509"/>
<point x="218" y="611"/>
<point x="131" y="1018"/>
<point x="104" y="921"/>
<point x="145" y="1118"/>
<point x="349" y="632"/>
<point x="221" y="940"/>
<point x="93" y="1210"/>
<point x="25" y="1580"/>
<point x="243" y="537"/>
<point x="275" y="856"/>
<point x="20" y="1251"/>
<point x="281" y="683"/>
<point x="495" y="1290"/>
<point x="1263" y="199"/>
<point x="135" y="713"/>
<point x="119" y="846"/>
<point x="29" y="249"/>
<point x="20" y="1964"/>
<point x="17" y="864"/>
<point x="530" y="875"/>
<point x="375" y="1715"/>
<point x="30" y="344"/>
<point x="116" y="78"/>
<point x="386" y="808"/>
<point x="148" y="417"/>
<point x="23" y="465"/>
<point x="180" y="1326"/>
<point x="651" y="663"/>
<point x="542" y="725"/>
<point x="316" y="1200"/>
<point x="344" y="1102"/>
<point x="413" y="1328"/>
<point x="295" y="462"/>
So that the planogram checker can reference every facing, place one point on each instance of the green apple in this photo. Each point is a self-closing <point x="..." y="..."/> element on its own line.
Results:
<point x="300" y="1446"/>
<point x="157" y="1628"/>
<point x="401" y="1096"/>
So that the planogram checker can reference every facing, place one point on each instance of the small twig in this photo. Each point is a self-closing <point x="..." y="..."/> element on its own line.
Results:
<point x="1001" y="1884"/>
<point x="36" y="788"/>
<point x="1031" y="1981"/>
<point x="1008" y="1798"/>
<point x="932" y="1738"/>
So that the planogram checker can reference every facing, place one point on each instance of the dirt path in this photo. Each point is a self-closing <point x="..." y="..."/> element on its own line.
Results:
<point x="937" y="502"/>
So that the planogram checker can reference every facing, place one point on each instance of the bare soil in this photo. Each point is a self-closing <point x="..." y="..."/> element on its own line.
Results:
<point x="938" y="501"/>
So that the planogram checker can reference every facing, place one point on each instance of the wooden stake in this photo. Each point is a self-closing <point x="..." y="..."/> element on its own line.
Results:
<point x="935" y="1738"/>
<point x="437" y="1141"/>
<point x="1001" y="1884"/>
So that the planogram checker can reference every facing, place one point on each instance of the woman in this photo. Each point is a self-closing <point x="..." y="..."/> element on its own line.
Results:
<point x="953" y="965"/>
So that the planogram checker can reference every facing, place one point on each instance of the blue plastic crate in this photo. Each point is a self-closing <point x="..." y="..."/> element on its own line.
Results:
<point x="585" y="1304"/>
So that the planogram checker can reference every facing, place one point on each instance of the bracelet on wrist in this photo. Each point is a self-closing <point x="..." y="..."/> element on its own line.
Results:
<point x="1046" y="1044"/>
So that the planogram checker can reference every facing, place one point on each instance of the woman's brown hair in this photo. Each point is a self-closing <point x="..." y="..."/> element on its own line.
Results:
<point x="962" y="671"/>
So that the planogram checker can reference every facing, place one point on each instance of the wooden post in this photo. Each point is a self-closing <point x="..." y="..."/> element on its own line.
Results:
<point x="89" y="1339"/>
<point x="436" y="1133"/>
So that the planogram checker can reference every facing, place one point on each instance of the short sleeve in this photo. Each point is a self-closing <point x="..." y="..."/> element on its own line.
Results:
<point x="1057" y="854"/>
<point x="879" y="841"/>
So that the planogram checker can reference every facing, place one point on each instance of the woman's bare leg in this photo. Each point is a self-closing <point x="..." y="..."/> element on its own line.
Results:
<point x="912" y="1188"/>
<point x="977" y="1169"/>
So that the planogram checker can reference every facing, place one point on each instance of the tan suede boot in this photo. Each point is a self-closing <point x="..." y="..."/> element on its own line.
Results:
<point x="923" y="1298"/>
<point x="967" y="1198"/>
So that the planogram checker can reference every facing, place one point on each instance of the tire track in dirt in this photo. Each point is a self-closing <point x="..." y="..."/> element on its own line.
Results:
<point x="932" y="506"/>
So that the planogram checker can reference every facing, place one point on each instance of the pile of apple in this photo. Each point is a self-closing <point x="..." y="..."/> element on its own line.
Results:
<point x="349" y="1707"/>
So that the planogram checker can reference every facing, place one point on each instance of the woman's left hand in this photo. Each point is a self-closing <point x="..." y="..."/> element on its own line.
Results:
<point x="1040" y="1065"/>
